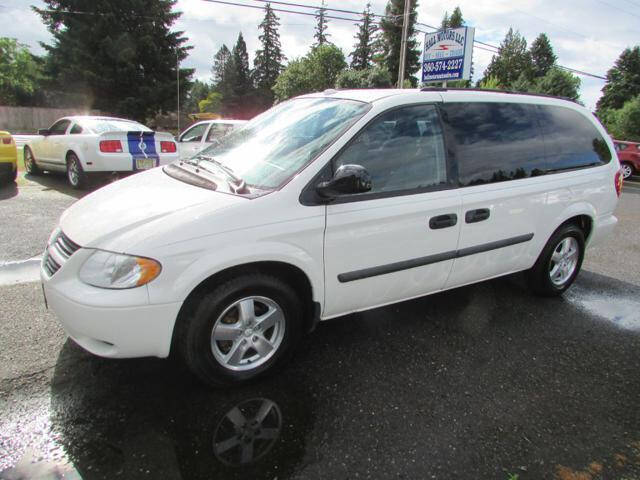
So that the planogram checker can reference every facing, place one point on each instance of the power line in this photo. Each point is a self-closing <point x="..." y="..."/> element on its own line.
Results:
<point x="618" y="8"/>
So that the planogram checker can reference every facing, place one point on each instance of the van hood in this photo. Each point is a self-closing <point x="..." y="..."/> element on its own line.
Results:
<point x="124" y="208"/>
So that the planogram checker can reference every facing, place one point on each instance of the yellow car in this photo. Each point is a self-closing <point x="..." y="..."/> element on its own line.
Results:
<point x="8" y="158"/>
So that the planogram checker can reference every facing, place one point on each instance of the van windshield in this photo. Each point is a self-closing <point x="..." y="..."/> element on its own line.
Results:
<point x="277" y="144"/>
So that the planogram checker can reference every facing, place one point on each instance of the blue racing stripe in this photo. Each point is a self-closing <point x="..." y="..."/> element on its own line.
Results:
<point x="142" y="145"/>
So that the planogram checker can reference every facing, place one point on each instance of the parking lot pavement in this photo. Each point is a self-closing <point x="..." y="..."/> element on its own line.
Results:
<point x="484" y="381"/>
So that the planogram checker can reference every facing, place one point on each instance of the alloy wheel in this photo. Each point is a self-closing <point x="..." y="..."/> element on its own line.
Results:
<point x="564" y="261"/>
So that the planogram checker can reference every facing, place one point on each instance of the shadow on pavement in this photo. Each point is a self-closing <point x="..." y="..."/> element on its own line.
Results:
<point x="481" y="381"/>
<point x="58" y="182"/>
<point x="8" y="190"/>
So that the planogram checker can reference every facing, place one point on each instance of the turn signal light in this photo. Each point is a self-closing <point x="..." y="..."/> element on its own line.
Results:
<point x="618" y="180"/>
<point x="111" y="146"/>
<point x="167" y="147"/>
<point x="6" y="140"/>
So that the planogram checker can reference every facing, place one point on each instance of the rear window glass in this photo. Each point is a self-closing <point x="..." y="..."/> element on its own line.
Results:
<point x="103" y="126"/>
<point x="494" y="142"/>
<point x="572" y="140"/>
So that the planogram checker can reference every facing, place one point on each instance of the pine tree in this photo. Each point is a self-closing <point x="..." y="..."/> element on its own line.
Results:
<point x="243" y="84"/>
<point x="391" y="28"/>
<point x="221" y="65"/>
<point x="123" y="54"/>
<point x="512" y="61"/>
<point x="365" y="47"/>
<point x="268" y="62"/>
<point x="456" y="20"/>
<point x="445" y="21"/>
<point x="542" y="56"/>
<point x="321" y="26"/>
<point x="623" y="81"/>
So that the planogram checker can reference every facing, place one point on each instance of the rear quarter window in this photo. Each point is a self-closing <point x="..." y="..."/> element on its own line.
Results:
<point x="572" y="140"/>
<point x="494" y="142"/>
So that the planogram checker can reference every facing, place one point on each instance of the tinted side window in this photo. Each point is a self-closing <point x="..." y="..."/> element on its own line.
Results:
<point x="59" y="128"/>
<point x="493" y="142"/>
<point x="194" y="134"/>
<point x="75" y="129"/>
<point x="402" y="149"/>
<point x="572" y="140"/>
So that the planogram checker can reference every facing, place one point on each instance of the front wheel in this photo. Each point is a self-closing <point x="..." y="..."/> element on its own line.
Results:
<point x="627" y="170"/>
<point x="75" y="174"/>
<point x="245" y="328"/>
<point x="559" y="263"/>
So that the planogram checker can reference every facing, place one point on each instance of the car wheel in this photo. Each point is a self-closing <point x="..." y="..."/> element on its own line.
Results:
<point x="14" y="175"/>
<point x="30" y="162"/>
<point x="245" y="328"/>
<point x="75" y="174"/>
<point x="627" y="170"/>
<point x="559" y="263"/>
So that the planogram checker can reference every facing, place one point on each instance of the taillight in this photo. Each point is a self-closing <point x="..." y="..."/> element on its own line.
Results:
<point x="111" y="146"/>
<point x="618" y="181"/>
<point x="6" y="140"/>
<point x="167" y="147"/>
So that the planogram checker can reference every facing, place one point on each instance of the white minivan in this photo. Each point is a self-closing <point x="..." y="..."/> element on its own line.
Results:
<point x="324" y="205"/>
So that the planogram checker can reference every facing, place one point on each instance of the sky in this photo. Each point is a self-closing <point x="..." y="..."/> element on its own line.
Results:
<point x="587" y="35"/>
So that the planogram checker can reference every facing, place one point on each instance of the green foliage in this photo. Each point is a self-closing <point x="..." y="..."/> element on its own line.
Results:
<point x="624" y="123"/>
<point x="268" y="63"/>
<point x="221" y="65"/>
<point x="321" y="26"/>
<point x="391" y="39"/>
<point x="454" y="21"/>
<point x="199" y="91"/>
<point x="513" y="60"/>
<point x="366" y="42"/>
<point x="542" y="56"/>
<point x="20" y="73"/>
<point x="316" y="71"/>
<point x="242" y="73"/>
<point x="490" y="83"/>
<point x="372" y="77"/>
<point x="623" y="81"/>
<point x="123" y="54"/>
<point x="211" y="104"/>
<point x="559" y="83"/>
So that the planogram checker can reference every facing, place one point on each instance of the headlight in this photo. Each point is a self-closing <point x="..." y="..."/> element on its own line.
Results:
<point x="114" y="270"/>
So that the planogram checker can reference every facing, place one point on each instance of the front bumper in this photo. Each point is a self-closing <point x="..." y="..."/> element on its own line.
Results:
<point x="109" y="323"/>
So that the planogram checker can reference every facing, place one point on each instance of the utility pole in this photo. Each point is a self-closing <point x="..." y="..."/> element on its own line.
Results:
<point x="178" y="82"/>
<point x="403" y="44"/>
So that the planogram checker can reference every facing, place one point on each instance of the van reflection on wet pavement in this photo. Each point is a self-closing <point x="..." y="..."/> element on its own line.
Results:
<point x="484" y="379"/>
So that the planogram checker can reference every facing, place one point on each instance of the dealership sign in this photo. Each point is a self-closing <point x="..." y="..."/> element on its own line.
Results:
<point x="447" y="55"/>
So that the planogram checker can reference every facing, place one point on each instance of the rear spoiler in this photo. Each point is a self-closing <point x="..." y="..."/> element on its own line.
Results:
<point x="144" y="133"/>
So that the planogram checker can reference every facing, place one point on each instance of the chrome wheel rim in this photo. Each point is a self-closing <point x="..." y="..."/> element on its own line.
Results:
<point x="248" y="333"/>
<point x="247" y="432"/>
<point x="564" y="261"/>
<point x="73" y="172"/>
<point x="626" y="171"/>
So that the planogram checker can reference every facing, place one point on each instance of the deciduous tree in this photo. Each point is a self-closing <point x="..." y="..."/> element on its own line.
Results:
<point x="623" y="81"/>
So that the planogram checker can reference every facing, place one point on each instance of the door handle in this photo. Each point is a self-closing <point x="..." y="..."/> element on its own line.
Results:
<point x="443" y="221"/>
<point x="478" y="215"/>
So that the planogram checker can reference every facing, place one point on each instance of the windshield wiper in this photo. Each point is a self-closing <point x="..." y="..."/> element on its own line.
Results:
<point x="237" y="184"/>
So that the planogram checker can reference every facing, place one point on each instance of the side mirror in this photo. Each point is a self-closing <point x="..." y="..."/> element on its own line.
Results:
<point x="348" y="179"/>
<point x="43" y="131"/>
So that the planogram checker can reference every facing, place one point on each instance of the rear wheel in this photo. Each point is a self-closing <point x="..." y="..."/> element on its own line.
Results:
<point x="626" y="170"/>
<point x="75" y="174"/>
<point x="559" y="263"/>
<point x="245" y="328"/>
<point x="30" y="162"/>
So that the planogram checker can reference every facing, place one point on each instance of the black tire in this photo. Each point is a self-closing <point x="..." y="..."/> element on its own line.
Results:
<point x="76" y="176"/>
<point x="627" y="170"/>
<point x="14" y="175"/>
<point x="196" y="323"/>
<point x="30" y="165"/>
<point x="539" y="276"/>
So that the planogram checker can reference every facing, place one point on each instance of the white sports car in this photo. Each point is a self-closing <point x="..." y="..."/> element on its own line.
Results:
<point x="84" y="145"/>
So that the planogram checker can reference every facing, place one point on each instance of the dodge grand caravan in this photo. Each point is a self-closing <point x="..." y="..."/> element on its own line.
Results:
<point x="328" y="204"/>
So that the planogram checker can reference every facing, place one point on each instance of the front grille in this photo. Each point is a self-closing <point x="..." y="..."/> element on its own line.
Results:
<point x="58" y="252"/>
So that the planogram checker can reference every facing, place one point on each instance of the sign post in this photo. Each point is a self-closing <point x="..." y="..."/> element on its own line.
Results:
<point x="447" y="55"/>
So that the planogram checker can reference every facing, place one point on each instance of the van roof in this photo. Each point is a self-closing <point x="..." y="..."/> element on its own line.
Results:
<point x="372" y="95"/>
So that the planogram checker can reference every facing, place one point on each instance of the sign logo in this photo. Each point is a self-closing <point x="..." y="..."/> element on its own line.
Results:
<point x="447" y="55"/>
<point x="142" y="145"/>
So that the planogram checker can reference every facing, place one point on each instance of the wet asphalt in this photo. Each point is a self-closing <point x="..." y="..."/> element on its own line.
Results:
<point x="485" y="381"/>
